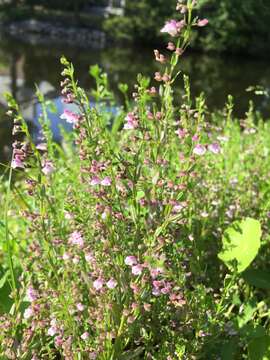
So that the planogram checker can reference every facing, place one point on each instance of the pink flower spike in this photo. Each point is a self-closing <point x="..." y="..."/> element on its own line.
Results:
<point x="199" y="150"/>
<point x="70" y="117"/>
<point x="171" y="27"/>
<point x="202" y="22"/>
<point x="98" y="284"/>
<point x="111" y="284"/>
<point x="214" y="148"/>
<point x="130" y="260"/>
<point x="137" y="269"/>
<point x="106" y="181"/>
<point x="95" y="181"/>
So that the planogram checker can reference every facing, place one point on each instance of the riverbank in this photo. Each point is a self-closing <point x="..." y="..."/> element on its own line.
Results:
<point x="34" y="31"/>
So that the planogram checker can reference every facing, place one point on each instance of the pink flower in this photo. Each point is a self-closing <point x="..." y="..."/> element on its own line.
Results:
<point x="181" y="133"/>
<point x="199" y="150"/>
<point x="76" y="239"/>
<point x="42" y="147"/>
<point x="85" y="336"/>
<point x="130" y="260"/>
<point x="111" y="284"/>
<point x="202" y="22"/>
<point x="155" y="272"/>
<point x="137" y="269"/>
<point x="89" y="258"/>
<point x="66" y="256"/>
<point x="171" y="46"/>
<point x="80" y="307"/>
<point x="131" y="122"/>
<point x="156" y="291"/>
<point x="214" y="148"/>
<point x="98" y="284"/>
<point x="28" y="313"/>
<point x="70" y="117"/>
<point x="31" y="294"/>
<point x="95" y="181"/>
<point x="173" y="27"/>
<point x="147" y="307"/>
<point x="52" y="331"/>
<point x="47" y="167"/>
<point x="106" y="181"/>
<point x="17" y="163"/>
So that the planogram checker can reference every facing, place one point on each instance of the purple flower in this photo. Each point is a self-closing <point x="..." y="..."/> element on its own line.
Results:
<point x="137" y="269"/>
<point x="106" y="181"/>
<point x="130" y="260"/>
<point x="70" y="117"/>
<point x="202" y="22"/>
<point x="98" y="284"/>
<point x="214" y="148"/>
<point x="111" y="284"/>
<point x="76" y="239"/>
<point x="199" y="150"/>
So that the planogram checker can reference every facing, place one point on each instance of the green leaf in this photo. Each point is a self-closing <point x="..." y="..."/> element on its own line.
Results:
<point x="4" y="279"/>
<point x="251" y="331"/>
<point x="257" y="278"/>
<point x="229" y="349"/>
<point x="241" y="243"/>
<point x="259" y="348"/>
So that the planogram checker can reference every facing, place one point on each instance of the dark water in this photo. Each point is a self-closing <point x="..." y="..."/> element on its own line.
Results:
<point x="22" y="66"/>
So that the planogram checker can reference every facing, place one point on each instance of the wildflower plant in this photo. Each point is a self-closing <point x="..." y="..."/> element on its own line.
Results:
<point x="116" y="250"/>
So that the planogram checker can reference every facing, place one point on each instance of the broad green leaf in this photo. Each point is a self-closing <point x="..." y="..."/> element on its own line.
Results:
<point x="259" y="348"/>
<point x="241" y="243"/>
<point x="250" y="331"/>
<point x="229" y="349"/>
<point x="257" y="278"/>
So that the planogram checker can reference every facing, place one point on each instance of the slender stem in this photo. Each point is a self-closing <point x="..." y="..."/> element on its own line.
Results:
<point x="7" y="237"/>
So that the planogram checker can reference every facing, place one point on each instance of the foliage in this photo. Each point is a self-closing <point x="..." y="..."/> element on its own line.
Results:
<point x="110" y="242"/>
<point x="241" y="28"/>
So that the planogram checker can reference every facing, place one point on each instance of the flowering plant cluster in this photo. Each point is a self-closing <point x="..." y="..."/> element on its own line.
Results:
<point x="114" y="255"/>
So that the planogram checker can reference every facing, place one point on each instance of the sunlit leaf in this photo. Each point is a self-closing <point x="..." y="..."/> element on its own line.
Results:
<point x="241" y="243"/>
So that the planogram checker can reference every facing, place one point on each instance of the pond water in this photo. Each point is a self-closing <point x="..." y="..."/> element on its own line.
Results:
<point x="23" y="65"/>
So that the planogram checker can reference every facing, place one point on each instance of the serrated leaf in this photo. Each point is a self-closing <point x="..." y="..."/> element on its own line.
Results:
<point x="257" y="278"/>
<point x="259" y="348"/>
<point x="241" y="243"/>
